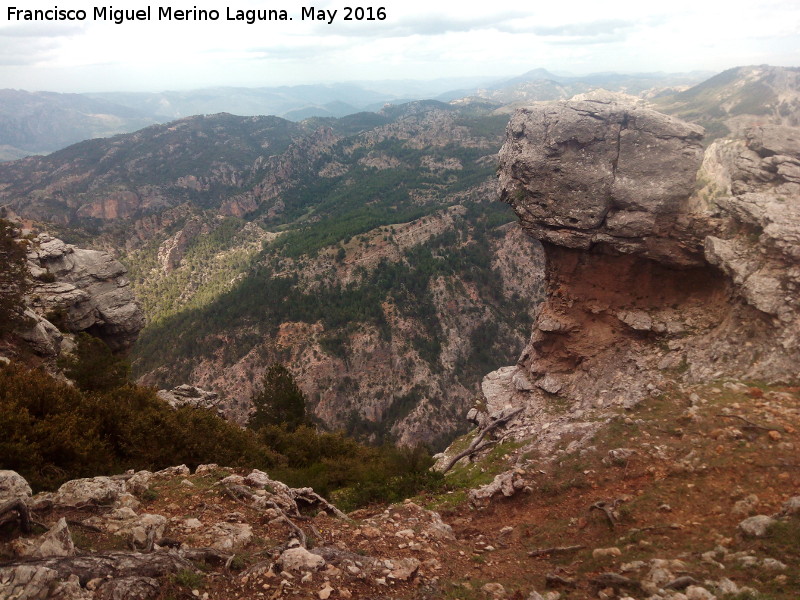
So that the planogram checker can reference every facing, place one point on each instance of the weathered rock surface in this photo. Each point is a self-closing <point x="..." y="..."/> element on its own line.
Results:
<point x="599" y="172"/>
<point x="663" y="262"/>
<point x="57" y="541"/>
<point x="13" y="486"/>
<point x="97" y="490"/>
<point x="77" y="290"/>
<point x="194" y="397"/>
<point x="90" y="291"/>
<point x="300" y="559"/>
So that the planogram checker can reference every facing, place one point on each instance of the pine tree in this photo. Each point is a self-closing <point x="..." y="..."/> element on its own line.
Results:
<point x="93" y="366"/>
<point x="13" y="282"/>
<point x="279" y="402"/>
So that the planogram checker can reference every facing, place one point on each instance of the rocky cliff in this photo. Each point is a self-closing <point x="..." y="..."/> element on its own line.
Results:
<point x="666" y="265"/>
<point x="73" y="290"/>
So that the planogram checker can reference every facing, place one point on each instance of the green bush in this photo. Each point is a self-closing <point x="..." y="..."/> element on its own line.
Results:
<point x="53" y="432"/>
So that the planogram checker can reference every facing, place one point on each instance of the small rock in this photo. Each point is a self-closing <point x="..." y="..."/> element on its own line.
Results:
<point x="791" y="507"/>
<point x="494" y="590"/>
<point x="695" y="592"/>
<point x="206" y="469"/>
<point x="774" y="435"/>
<point x="325" y="592"/>
<point x="772" y="564"/>
<point x="726" y="586"/>
<point x="405" y="568"/>
<point x="606" y="552"/>
<point x="745" y="506"/>
<point x="179" y="471"/>
<point x="300" y="559"/>
<point x="756" y="526"/>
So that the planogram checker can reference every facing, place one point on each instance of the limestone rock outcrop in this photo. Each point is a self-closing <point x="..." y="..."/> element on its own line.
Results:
<point x="665" y="263"/>
<point x="74" y="290"/>
<point x="87" y="287"/>
<point x="194" y="397"/>
<point x="598" y="172"/>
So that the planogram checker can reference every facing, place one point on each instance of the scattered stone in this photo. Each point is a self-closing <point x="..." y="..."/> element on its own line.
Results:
<point x="206" y="469"/>
<point x="791" y="507"/>
<point x="325" y="592"/>
<point x="494" y="590"/>
<point x="230" y="536"/>
<point x="300" y="559"/>
<point x="618" y="456"/>
<point x="179" y="471"/>
<point x="756" y="526"/>
<point x="606" y="552"/>
<point x="772" y="564"/>
<point x="404" y="569"/>
<point x="694" y="592"/>
<point x="507" y="483"/>
<point x="745" y="506"/>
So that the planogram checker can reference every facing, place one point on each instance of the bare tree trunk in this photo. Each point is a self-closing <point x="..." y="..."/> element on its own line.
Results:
<point x="476" y="445"/>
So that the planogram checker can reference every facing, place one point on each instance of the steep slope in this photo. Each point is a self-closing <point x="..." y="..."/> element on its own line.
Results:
<point x="666" y="265"/>
<point x="364" y="252"/>
<point x="41" y="122"/>
<point x="739" y="98"/>
<point x="540" y="85"/>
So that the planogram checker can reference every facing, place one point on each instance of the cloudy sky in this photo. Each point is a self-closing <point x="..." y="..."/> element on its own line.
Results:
<point x="419" y="39"/>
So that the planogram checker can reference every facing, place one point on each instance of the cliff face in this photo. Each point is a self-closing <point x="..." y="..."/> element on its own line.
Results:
<point x="665" y="264"/>
<point x="81" y="290"/>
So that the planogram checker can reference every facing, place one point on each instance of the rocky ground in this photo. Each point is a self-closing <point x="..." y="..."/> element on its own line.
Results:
<point x="691" y="494"/>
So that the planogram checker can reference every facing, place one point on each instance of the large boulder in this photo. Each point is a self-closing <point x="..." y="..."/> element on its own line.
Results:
<point x="600" y="170"/>
<point x="13" y="486"/>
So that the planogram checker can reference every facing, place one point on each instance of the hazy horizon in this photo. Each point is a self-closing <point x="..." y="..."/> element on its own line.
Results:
<point x="416" y="41"/>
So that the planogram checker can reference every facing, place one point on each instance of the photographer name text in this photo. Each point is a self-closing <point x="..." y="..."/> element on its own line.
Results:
<point x="119" y="16"/>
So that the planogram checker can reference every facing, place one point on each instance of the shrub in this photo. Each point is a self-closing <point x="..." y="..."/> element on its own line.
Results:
<point x="13" y="282"/>
<point x="279" y="402"/>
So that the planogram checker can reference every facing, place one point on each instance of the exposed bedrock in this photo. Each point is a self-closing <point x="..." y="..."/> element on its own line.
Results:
<point x="664" y="262"/>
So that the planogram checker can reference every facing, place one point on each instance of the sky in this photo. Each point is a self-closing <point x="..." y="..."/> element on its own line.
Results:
<point x="418" y="39"/>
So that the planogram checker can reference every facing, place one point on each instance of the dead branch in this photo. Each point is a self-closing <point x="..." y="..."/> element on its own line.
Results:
<point x="476" y="445"/>
<point x="283" y="518"/>
<point x="750" y="425"/>
<point x="555" y="550"/>
<point x="609" y="509"/>
<point x="82" y="525"/>
<point x="553" y="580"/>
<point x="615" y="581"/>
<point x="309" y="496"/>
<point x="206" y="555"/>
<point x="113" y="564"/>
<point x="23" y="514"/>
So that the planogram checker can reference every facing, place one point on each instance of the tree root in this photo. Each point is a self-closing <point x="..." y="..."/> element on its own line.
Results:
<point x="476" y="445"/>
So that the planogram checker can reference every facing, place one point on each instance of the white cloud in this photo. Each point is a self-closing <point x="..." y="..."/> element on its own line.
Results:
<point x="418" y="39"/>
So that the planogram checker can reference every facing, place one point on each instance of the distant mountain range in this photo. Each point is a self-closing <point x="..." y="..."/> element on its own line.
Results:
<point x="365" y="252"/>
<point x="43" y="122"/>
